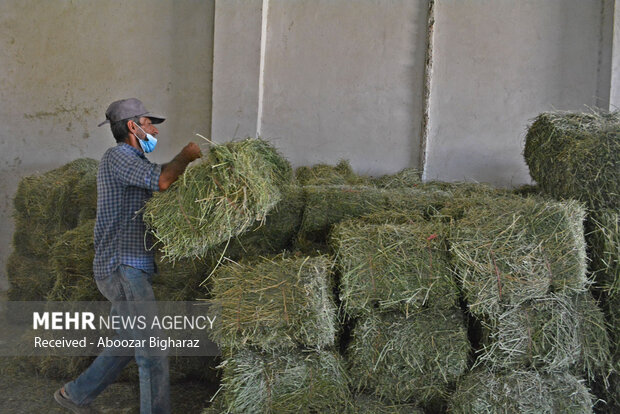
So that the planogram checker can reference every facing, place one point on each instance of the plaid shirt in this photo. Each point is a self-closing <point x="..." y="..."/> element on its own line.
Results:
<point x="125" y="181"/>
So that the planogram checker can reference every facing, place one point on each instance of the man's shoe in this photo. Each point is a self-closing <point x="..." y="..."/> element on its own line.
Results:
<point x="70" y="405"/>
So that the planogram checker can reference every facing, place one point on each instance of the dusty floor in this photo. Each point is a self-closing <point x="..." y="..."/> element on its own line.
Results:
<point x="23" y="392"/>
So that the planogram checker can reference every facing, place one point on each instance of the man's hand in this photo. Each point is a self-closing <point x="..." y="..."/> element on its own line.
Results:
<point x="172" y="170"/>
<point x="191" y="151"/>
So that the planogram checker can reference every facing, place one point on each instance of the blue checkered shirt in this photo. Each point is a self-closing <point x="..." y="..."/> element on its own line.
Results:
<point x="125" y="181"/>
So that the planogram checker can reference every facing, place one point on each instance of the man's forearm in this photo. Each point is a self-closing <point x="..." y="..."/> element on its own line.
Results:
<point x="172" y="170"/>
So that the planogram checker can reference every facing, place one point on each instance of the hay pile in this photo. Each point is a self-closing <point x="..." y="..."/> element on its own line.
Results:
<point x="45" y="207"/>
<point x="577" y="155"/>
<point x="218" y="199"/>
<point x="290" y="382"/>
<point x="278" y="327"/>
<point x="408" y="359"/>
<point x="525" y="392"/>
<point x="393" y="266"/>
<point x="521" y="263"/>
<point x="49" y="204"/>
<point x="277" y="303"/>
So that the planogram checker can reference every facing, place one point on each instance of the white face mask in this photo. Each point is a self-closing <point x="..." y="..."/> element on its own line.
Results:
<point x="148" y="144"/>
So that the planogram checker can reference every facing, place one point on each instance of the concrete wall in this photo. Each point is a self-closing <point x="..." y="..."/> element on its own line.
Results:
<point x="334" y="79"/>
<point x="497" y="64"/>
<point x="63" y="62"/>
<point x="343" y="80"/>
<point x="236" y="69"/>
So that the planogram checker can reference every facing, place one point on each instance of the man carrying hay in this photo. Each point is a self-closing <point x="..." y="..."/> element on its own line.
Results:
<point x="123" y="264"/>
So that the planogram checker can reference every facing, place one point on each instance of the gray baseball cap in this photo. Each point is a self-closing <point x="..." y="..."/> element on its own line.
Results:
<point x="128" y="108"/>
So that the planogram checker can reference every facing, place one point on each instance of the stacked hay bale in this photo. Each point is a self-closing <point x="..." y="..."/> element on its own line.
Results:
<point x="277" y="329"/>
<point x="522" y="267"/>
<point x="46" y="206"/>
<point x="408" y="340"/>
<point x="577" y="156"/>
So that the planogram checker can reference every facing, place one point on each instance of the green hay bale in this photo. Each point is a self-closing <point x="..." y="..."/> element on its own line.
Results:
<point x="181" y="280"/>
<point x="271" y="237"/>
<point x="595" y="359"/>
<point x="549" y="334"/>
<point x="275" y="303"/>
<point x="367" y="404"/>
<point x="328" y="205"/>
<point x="47" y="205"/>
<point x="411" y="359"/>
<point x="324" y="174"/>
<point x="72" y="262"/>
<point x="400" y="267"/>
<point x="576" y="155"/>
<point x="409" y="177"/>
<point x="541" y="334"/>
<point x="508" y="250"/>
<point x="604" y="242"/>
<point x="525" y="392"/>
<point x="293" y="382"/>
<point x="30" y="278"/>
<point x="220" y="198"/>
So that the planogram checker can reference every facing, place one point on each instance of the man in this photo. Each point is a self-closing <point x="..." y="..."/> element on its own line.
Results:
<point x="124" y="263"/>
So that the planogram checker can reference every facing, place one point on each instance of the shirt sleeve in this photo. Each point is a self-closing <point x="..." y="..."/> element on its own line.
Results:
<point x="136" y="171"/>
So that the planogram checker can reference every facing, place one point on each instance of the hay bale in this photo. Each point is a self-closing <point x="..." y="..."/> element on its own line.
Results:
<point x="411" y="359"/>
<point x="393" y="266"/>
<point x="549" y="334"/>
<point x="367" y="404"/>
<point x="541" y="334"/>
<point x="220" y="198"/>
<point x="271" y="237"/>
<point x="595" y="360"/>
<point x="604" y="242"/>
<point x="180" y="280"/>
<point x="275" y="303"/>
<point x="328" y="205"/>
<point x="576" y="155"/>
<point x="324" y="174"/>
<point x="47" y="205"/>
<point x="525" y="392"/>
<point x="408" y="177"/>
<point x="508" y="250"/>
<point x="72" y="262"/>
<point x="291" y="382"/>
<point x="30" y="277"/>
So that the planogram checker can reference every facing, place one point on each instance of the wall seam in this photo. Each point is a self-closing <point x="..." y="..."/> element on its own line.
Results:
<point x="428" y="73"/>
<point x="261" y="76"/>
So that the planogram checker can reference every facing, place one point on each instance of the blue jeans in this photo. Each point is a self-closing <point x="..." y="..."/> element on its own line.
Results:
<point x="127" y="284"/>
